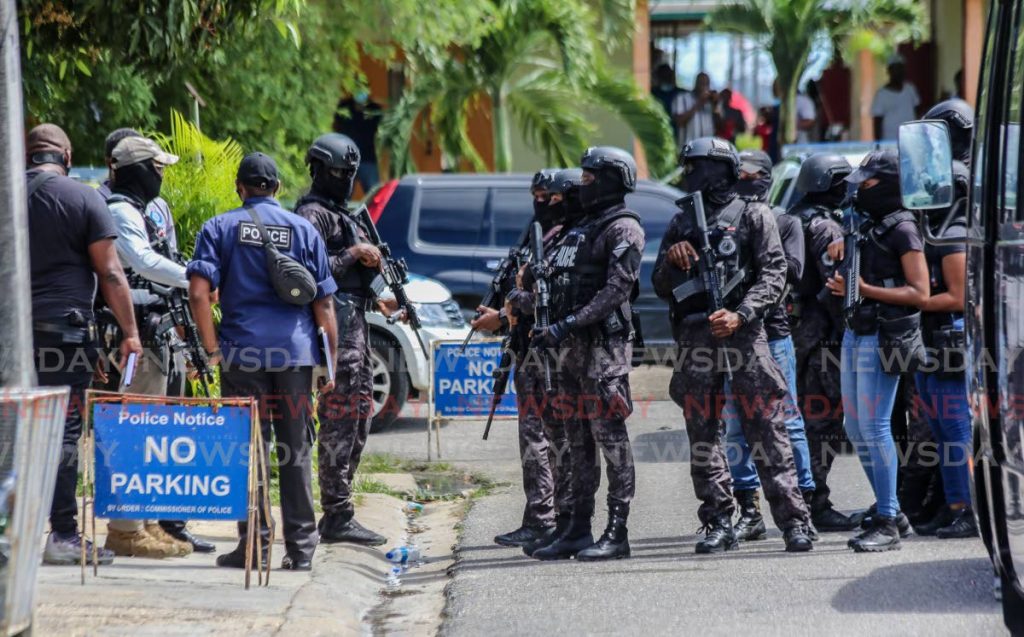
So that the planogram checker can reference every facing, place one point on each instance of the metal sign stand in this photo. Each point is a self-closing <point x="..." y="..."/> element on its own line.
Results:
<point x="435" y="418"/>
<point x="258" y="475"/>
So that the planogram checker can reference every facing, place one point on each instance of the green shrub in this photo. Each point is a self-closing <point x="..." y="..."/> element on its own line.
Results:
<point x="202" y="184"/>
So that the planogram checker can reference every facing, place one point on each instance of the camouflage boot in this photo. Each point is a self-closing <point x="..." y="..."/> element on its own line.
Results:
<point x="138" y="544"/>
<point x="160" y="535"/>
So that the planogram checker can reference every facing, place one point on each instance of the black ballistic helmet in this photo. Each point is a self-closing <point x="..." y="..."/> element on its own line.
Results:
<point x="608" y="160"/>
<point x="563" y="181"/>
<point x="711" y="148"/>
<point x="542" y="179"/>
<point x="959" y="115"/>
<point x="821" y="171"/>
<point x="334" y="150"/>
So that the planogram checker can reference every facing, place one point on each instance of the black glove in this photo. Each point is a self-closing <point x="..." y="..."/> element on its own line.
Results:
<point x="553" y="335"/>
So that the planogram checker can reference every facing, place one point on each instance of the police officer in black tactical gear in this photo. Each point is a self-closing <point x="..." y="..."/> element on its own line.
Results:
<point x="543" y="449"/>
<point x="817" y="323"/>
<point x="593" y="279"/>
<point x="345" y="412"/>
<point x="959" y="115"/>
<point x="748" y="250"/>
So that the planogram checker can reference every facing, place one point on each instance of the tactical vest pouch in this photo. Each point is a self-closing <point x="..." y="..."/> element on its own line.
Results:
<point x="900" y="345"/>
<point x="292" y="282"/>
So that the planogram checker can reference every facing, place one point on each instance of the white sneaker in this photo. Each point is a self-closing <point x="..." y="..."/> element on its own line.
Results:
<point x="64" y="550"/>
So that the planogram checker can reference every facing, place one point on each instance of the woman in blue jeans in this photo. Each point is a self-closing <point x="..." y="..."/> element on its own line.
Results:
<point x="943" y="387"/>
<point x="893" y="283"/>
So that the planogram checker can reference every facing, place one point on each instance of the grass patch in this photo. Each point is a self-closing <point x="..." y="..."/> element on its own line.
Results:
<point x="381" y="463"/>
<point x="367" y="485"/>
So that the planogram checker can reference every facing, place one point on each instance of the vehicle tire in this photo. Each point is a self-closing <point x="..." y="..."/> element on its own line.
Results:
<point x="1013" y="606"/>
<point x="390" y="380"/>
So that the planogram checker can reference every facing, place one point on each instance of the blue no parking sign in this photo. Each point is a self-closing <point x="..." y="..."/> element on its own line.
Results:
<point x="176" y="461"/>
<point x="463" y="382"/>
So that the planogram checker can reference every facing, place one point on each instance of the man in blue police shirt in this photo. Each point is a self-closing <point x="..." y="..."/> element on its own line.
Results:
<point x="267" y="347"/>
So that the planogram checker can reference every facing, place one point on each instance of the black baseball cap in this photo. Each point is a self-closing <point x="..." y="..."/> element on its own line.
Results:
<point x="258" y="170"/>
<point x="877" y="163"/>
<point x="755" y="161"/>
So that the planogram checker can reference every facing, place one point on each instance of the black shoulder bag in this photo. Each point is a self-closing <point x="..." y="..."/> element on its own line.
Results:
<point x="291" y="280"/>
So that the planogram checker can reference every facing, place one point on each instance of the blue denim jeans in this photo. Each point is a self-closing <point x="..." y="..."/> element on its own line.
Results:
<point x="741" y="465"/>
<point x="944" y="406"/>
<point x="868" y="397"/>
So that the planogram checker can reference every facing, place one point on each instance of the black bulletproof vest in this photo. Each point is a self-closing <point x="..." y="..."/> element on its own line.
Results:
<point x="812" y="217"/>
<point x="731" y="241"/>
<point x="577" y="272"/>
<point x="357" y="278"/>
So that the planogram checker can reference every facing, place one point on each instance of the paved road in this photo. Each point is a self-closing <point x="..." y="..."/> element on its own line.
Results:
<point x="930" y="587"/>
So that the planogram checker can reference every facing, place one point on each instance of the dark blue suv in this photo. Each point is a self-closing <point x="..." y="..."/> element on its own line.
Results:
<point x="456" y="228"/>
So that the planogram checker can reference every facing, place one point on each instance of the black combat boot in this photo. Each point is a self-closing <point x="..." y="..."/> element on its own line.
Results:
<point x="562" y="521"/>
<point x="750" y="525"/>
<point x="577" y="537"/>
<point x="941" y="519"/>
<point x="521" y="536"/>
<point x="962" y="525"/>
<point x="882" y="536"/>
<point x="335" y="527"/>
<point x="719" y="536"/>
<point x="828" y="520"/>
<point x="798" y="539"/>
<point x="614" y="542"/>
<point x="808" y="499"/>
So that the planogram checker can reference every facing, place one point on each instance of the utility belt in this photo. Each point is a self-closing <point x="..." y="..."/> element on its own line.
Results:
<point x="77" y="328"/>
<point x="865" y="318"/>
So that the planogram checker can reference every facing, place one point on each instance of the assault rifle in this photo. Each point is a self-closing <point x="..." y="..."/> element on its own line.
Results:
<point x="851" y="263"/>
<point x="541" y="316"/>
<point x="541" y="294"/>
<point x="394" y="274"/>
<point x="508" y="267"/>
<point x="178" y="322"/>
<point x="706" y="266"/>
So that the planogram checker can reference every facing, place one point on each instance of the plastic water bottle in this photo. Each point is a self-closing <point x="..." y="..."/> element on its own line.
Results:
<point x="412" y="509"/>
<point x="393" y="581"/>
<point x="403" y="555"/>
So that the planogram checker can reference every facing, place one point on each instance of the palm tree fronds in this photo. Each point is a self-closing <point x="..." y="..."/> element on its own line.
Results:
<point x="545" y="112"/>
<point x="644" y="116"/>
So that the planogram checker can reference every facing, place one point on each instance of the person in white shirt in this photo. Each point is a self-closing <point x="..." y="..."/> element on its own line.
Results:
<point x="806" y="118"/>
<point x="693" y="111"/>
<point x="894" y="103"/>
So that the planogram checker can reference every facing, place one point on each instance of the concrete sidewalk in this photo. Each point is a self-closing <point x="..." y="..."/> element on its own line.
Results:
<point x="191" y="596"/>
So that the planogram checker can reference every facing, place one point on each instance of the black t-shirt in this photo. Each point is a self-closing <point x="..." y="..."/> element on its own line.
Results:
<point x="935" y="255"/>
<point x="880" y="257"/>
<point x="64" y="218"/>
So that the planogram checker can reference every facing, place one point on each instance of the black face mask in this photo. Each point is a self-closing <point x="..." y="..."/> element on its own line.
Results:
<point x="756" y="189"/>
<point x="542" y="208"/>
<point x="713" y="179"/>
<point x="139" y="181"/>
<point x="333" y="188"/>
<point x="604" y="192"/>
<point x="568" y="209"/>
<point x="879" y="200"/>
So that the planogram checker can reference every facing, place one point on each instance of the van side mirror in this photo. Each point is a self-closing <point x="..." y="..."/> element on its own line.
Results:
<point x="926" y="165"/>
